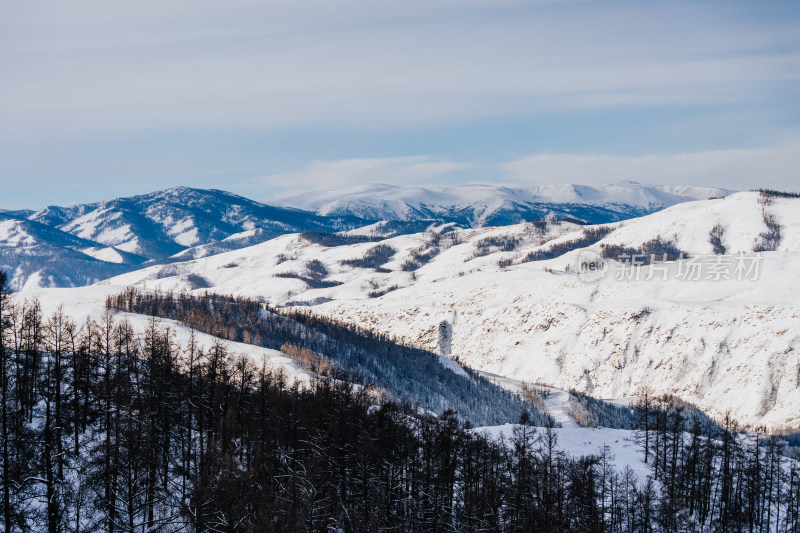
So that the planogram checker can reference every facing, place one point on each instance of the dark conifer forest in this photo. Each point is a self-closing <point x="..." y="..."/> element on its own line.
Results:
<point x="110" y="429"/>
<point x="355" y="355"/>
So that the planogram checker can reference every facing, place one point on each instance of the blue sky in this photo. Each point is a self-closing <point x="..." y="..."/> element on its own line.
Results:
<point x="265" y="98"/>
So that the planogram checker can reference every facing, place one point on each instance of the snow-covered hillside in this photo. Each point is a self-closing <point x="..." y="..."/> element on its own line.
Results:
<point x="720" y="344"/>
<point x="723" y="345"/>
<point x="163" y="223"/>
<point x="82" y="305"/>
<point x="36" y="254"/>
<point x="182" y="223"/>
<point x="484" y="205"/>
<point x="69" y="246"/>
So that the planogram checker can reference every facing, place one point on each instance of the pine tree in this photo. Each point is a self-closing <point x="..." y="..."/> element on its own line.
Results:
<point x="5" y="393"/>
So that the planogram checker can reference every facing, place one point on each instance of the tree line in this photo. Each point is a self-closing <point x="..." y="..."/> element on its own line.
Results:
<point x="106" y="428"/>
<point x="713" y="476"/>
<point x="406" y="373"/>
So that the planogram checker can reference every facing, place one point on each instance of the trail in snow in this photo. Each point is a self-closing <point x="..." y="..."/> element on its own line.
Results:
<point x="556" y="401"/>
<point x="557" y="404"/>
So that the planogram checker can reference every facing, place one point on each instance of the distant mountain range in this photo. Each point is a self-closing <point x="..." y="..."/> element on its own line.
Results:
<point x="163" y="223"/>
<point x="492" y="205"/>
<point x="81" y="244"/>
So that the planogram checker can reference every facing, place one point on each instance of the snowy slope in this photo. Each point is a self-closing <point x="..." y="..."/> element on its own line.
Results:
<point x="556" y="403"/>
<point x="163" y="223"/>
<point x="481" y="205"/>
<point x="82" y="303"/>
<point x="259" y="270"/>
<point x="718" y="344"/>
<point x="740" y="216"/>
<point x="33" y="253"/>
<point x="580" y="442"/>
<point x="76" y="245"/>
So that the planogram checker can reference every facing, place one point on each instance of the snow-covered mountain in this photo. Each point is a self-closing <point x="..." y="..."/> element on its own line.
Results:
<point x="182" y="223"/>
<point x="481" y="295"/>
<point x="508" y="300"/>
<point x="163" y="223"/>
<point x="35" y="253"/>
<point x="77" y="245"/>
<point x="492" y="205"/>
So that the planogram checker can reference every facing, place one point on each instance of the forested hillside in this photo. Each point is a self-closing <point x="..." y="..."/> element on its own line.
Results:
<point x="406" y="374"/>
<point x="105" y="428"/>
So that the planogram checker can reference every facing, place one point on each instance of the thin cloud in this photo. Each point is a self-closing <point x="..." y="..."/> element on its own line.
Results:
<point x="410" y="170"/>
<point x="171" y="91"/>
<point x="735" y="169"/>
<point x="81" y="68"/>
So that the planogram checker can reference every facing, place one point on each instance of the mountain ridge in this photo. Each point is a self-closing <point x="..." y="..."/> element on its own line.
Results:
<point x="485" y="205"/>
<point x="157" y="227"/>
<point x="182" y="223"/>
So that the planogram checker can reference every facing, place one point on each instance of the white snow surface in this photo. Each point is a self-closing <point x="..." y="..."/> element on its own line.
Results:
<point x="556" y="402"/>
<point x="81" y="304"/>
<point x="579" y="442"/>
<point x="107" y="254"/>
<point x="12" y="233"/>
<point x="722" y="345"/>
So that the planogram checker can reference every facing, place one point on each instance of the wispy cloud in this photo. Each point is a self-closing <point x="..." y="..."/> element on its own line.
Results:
<point x="736" y="169"/>
<point x="411" y="170"/>
<point x="172" y="92"/>
<point x="745" y="168"/>
<point x="81" y="67"/>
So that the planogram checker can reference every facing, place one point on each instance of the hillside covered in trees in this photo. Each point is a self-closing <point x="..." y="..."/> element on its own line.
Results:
<point x="360" y="356"/>
<point x="104" y="428"/>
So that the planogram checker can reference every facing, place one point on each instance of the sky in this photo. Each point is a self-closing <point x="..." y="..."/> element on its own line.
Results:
<point x="268" y="98"/>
